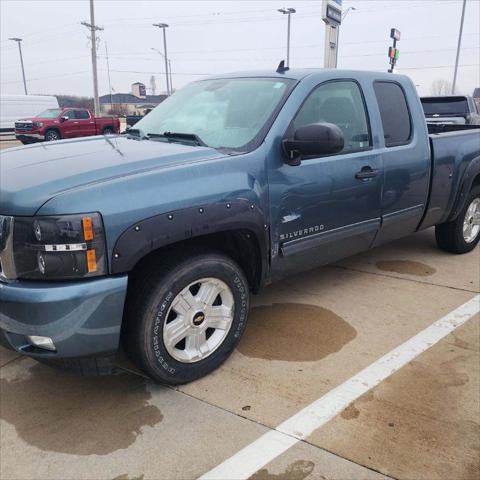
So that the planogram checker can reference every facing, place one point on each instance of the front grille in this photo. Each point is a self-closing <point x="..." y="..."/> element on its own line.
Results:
<point x="24" y="126"/>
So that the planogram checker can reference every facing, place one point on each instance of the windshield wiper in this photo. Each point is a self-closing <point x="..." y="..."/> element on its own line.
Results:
<point x="190" y="138"/>
<point x="136" y="133"/>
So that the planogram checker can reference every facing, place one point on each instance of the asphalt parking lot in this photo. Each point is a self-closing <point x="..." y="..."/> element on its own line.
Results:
<point x="306" y="336"/>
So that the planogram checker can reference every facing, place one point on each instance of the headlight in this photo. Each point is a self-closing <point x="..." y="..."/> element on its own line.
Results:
<point x="54" y="248"/>
<point x="37" y="124"/>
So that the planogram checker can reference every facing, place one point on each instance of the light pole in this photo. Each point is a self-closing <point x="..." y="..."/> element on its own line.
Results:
<point x="93" y="30"/>
<point x="345" y="13"/>
<point x="169" y="67"/>
<point x="19" y="42"/>
<point x="458" y="47"/>
<point x="287" y="11"/>
<point x="164" y="26"/>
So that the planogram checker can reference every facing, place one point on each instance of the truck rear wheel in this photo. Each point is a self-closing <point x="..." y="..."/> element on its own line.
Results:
<point x="463" y="234"/>
<point x="108" y="131"/>
<point x="184" y="318"/>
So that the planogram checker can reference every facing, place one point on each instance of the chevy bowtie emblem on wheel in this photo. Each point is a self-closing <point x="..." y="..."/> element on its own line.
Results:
<point x="198" y="319"/>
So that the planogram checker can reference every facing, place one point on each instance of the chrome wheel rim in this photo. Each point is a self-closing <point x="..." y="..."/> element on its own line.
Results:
<point x="198" y="320"/>
<point x="471" y="223"/>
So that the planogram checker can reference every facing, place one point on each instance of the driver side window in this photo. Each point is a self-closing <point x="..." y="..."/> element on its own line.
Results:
<point x="69" y="114"/>
<point x="340" y="103"/>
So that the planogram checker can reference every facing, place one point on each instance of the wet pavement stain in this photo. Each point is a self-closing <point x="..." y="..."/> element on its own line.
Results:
<point x="294" y="332"/>
<point x="298" y="470"/>
<point x="422" y="414"/>
<point x="450" y="376"/>
<point x="406" y="267"/>
<point x="60" y="412"/>
<point x="350" y="412"/>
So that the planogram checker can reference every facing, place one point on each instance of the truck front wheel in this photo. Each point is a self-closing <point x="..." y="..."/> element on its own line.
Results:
<point x="463" y="234"/>
<point x="185" y="317"/>
<point x="51" y="135"/>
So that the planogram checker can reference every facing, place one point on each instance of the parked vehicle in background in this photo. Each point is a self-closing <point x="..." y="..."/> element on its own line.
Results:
<point x="58" y="123"/>
<point x="454" y="109"/>
<point x="158" y="238"/>
<point x="13" y="107"/>
<point x="133" y="119"/>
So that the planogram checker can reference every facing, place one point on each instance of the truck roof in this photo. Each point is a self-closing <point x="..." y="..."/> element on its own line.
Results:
<point x="300" y="73"/>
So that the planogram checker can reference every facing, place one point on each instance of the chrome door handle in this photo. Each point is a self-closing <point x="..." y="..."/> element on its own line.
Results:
<point x="365" y="173"/>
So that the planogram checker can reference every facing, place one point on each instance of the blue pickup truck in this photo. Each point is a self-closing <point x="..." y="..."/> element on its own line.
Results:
<point x="156" y="238"/>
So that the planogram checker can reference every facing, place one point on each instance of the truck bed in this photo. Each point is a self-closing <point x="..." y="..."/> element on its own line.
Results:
<point x="452" y="150"/>
<point x="449" y="127"/>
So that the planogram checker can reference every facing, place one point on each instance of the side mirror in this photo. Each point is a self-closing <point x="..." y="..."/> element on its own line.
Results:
<point x="313" y="139"/>
<point x="63" y="119"/>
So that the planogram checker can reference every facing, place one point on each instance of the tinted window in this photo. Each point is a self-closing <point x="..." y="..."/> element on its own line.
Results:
<point x="392" y="104"/>
<point x="340" y="103"/>
<point x="69" y="114"/>
<point x="445" y="106"/>
<point x="81" y="114"/>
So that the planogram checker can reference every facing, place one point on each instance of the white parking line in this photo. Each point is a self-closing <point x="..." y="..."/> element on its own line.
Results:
<point x="298" y="427"/>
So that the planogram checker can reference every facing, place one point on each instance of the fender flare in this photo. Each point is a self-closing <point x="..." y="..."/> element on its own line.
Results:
<point x="159" y="231"/>
<point x="471" y="172"/>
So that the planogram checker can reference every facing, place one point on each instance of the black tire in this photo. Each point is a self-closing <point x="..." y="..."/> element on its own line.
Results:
<point x="108" y="131"/>
<point x="450" y="236"/>
<point x="148" y="305"/>
<point x="52" y="135"/>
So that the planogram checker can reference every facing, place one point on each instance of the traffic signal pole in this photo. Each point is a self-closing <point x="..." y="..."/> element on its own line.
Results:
<point x="393" y="53"/>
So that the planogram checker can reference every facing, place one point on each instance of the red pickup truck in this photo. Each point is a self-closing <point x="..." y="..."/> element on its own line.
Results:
<point x="57" y="123"/>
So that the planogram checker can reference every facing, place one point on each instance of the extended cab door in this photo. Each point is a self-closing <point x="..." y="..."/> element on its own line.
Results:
<point x="406" y="159"/>
<point x="85" y="124"/>
<point x="328" y="207"/>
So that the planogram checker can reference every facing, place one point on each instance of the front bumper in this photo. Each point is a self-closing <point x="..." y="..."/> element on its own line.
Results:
<point x="29" y="136"/>
<point x="82" y="318"/>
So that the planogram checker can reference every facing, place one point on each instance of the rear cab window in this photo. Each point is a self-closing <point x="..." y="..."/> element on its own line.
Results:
<point x="394" y="112"/>
<point x="82" y="114"/>
<point x="447" y="106"/>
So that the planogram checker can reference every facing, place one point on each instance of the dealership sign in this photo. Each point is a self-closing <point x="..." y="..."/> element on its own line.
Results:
<point x="332" y="12"/>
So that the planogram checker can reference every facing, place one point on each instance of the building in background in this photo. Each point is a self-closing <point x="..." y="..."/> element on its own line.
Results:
<point x="135" y="103"/>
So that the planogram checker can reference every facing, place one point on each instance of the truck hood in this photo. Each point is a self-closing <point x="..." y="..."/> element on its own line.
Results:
<point x="32" y="175"/>
<point x="34" y="119"/>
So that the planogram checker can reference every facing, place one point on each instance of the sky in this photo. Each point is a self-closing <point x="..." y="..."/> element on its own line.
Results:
<point x="205" y="38"/>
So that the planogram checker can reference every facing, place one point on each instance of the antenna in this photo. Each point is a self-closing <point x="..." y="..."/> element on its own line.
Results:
<point x="281" y="67"/>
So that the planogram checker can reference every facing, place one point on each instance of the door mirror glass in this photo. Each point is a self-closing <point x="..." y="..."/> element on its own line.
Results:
<point x="63" y="119"/>
<point x="313" y="140"/>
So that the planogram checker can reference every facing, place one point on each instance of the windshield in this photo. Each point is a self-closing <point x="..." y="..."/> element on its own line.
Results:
<point x="224" y="113"/>
<point x="50" y="113"/>
<point x="445" y="106"/>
